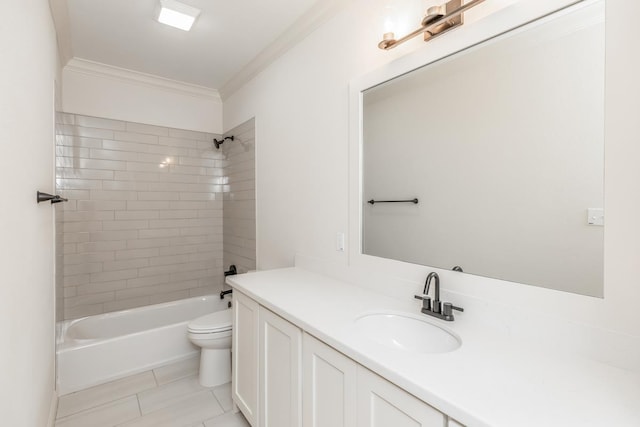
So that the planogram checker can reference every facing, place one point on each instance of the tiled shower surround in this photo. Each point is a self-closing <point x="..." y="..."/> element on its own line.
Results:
<point x="240" y="201"/>
<point x="144" y="221"/>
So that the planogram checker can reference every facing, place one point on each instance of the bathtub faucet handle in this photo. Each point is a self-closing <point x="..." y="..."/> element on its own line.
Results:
<point x="232" y="271"/>
<point x="223" y="293"/>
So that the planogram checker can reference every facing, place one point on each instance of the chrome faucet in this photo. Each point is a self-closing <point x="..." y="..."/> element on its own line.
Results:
<point x="437" y="309"/>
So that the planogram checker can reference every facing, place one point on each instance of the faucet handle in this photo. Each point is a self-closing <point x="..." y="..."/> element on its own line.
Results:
<point x="426" y="301"/>
<point x="447" y="307"/>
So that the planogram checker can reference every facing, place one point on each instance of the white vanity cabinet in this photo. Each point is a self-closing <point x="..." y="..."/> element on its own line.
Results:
<point x="328" y="386"/>
<point x="279" y="367"/>
<point x="244" y="366"/>
<point x="380" y="403"/>
<point x="284" y="377"/>
<point x="266" y="365"/>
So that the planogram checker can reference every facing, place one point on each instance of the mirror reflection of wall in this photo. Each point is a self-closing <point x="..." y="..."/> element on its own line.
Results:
<point x="503" y="144"/>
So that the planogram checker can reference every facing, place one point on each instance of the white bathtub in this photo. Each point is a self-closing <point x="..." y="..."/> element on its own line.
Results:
<point x="97" y="349"/>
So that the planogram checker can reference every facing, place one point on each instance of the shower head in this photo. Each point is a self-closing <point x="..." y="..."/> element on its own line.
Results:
<point x="219" y="143"/>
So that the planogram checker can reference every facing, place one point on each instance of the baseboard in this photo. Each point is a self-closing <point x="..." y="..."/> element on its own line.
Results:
<point x="53" y="409"/>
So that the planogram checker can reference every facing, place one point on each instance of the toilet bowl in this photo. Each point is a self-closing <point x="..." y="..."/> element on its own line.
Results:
<point x="212" y="333"/>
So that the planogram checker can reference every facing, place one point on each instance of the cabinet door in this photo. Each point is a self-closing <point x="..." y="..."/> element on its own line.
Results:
<point x="382" y="404"/>
<point x="329" y="386"/>
<point x="454" y="423"/>
<point x="280" y="388"/>
<point x="244" y="376"/>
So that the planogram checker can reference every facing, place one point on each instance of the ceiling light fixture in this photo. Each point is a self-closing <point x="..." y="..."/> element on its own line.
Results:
<point x="178" y="15"/>
<point x="438" y="20"/>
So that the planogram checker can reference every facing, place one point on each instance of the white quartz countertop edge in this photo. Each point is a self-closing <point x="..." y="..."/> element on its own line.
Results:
<point x="488" y="381"/>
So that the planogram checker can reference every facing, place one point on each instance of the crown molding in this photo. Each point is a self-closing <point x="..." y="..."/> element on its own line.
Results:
<point x="97" y="69"/>
<point x="60" y="14"/>
<point x="320" y="12"/>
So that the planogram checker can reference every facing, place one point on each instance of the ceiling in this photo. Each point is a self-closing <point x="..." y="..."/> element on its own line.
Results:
<point x="227" y="36"/>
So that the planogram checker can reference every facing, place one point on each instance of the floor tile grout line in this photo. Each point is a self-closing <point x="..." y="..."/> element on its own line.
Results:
<point x="217" y="400"/>
<point x="104" y="403"/>
<point x="196" y="424"/>
<point x="93" y="407"/>
<point x="155" y="378"/>
<point x="137" y="394"/>
<point x="139" y="406"/>
<point x="173" y="403"/>
<point x="176" y="397"/>
<point x="186" y="374"/>
<point x="220" y="387"/>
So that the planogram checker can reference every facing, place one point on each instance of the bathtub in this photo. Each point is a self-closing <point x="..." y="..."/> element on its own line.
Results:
<point x="97" y="349"/>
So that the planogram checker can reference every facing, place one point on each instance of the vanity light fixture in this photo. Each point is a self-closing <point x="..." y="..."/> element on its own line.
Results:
<point x="178" y="15"/>
<point x="437" y="21"/>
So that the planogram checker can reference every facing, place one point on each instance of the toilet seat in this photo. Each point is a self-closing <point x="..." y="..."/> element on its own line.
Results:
<point x="220" y="321"/>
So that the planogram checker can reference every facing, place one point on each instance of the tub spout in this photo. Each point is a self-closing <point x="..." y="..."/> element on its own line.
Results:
<point x="232" y="271"/>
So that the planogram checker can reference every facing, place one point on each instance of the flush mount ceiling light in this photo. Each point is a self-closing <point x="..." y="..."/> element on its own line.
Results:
<point x="176" y="14"/>
<point x="438" y="20"/>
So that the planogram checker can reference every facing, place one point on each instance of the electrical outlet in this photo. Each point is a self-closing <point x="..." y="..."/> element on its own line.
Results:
<point x="595" y="216"/>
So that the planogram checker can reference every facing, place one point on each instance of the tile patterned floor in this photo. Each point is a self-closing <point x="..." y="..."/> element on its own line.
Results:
<point x="169" y="396"/>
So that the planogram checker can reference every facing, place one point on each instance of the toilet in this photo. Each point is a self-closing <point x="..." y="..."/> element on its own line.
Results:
<point x="212" y="333"/>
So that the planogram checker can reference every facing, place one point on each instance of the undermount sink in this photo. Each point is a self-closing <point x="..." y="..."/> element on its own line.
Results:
<point x="407" y="333"/>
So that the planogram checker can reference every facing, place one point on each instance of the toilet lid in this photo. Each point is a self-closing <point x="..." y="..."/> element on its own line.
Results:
<point x="218" y="321"/>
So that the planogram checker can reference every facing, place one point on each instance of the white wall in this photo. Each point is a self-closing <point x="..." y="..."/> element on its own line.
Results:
<point x="302" y="137"/>
<point x="99" y="90"/>
<point x="27" y="43"/>
<point x="301" y="107"/>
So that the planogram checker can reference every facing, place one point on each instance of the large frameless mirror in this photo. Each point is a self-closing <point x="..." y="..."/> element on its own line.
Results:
<point x="502" y="145"/>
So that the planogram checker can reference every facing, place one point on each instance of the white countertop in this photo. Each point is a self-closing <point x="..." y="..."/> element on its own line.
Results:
<point x="488" y="381"/>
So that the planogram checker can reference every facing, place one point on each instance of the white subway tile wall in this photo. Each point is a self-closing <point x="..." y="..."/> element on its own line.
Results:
<point x="61" y="249"/>
<point x="240" y="199"/>
<point x="144" y="221"/>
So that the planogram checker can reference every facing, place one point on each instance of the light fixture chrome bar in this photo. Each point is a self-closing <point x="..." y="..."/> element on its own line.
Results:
<point x="430" y="25"/>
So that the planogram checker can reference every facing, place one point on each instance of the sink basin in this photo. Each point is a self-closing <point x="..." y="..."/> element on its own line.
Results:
<point x="403" y="332"/>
